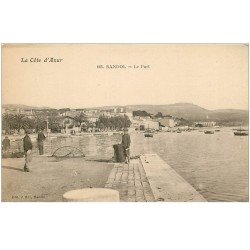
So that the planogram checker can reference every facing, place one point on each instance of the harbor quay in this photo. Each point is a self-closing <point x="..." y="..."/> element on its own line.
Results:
<point x="150" y="179"/>
<point x="145" y="179"/>
<point x="199" y="159"/>
<point x="50" y="177"/>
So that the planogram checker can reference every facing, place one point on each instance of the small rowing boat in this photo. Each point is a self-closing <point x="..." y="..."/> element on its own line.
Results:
<point x="209" y="132"/>
<point x="241" y="133"/>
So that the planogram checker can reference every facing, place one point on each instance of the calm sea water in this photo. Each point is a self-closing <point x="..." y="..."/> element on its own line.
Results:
<point x="216" y="165"/>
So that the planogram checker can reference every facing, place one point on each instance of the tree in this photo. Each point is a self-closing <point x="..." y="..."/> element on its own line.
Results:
<point x="81" y="118"/>
<point x="141" y="113"/>
<point x="117" y="122"/>
<point x="8" y="122"/>
<point x="27" y="123"/>
<point x="40" y="122"/>
<point x="18" y="122"/>
<point x="127" y="121"/>
<point x="54" y="124"/>
<point x="159" y="115"/>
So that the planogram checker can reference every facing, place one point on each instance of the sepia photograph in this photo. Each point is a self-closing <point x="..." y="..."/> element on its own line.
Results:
<point x="125" y="123"/>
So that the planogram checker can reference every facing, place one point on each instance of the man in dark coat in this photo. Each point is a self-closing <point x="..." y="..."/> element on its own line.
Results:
<point x="40" y="138"/>
<point x="126" y="144"/>
<point x="27" y="146"/>
<point x="6" y="144"/>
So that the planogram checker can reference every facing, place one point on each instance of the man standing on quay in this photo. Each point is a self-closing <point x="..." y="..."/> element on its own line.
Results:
<point x="27" y="146"/>
<point x="40" y="138"/>
<point x="126" y="144"/>
<point x="6" y="145"/>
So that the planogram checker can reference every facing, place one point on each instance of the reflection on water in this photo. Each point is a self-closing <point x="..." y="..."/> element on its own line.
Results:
<point x="216" y="165"/>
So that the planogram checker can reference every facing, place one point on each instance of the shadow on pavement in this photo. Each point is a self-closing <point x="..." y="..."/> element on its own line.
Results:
<point x="101" y="160"/>
<point x="13" y="168"/>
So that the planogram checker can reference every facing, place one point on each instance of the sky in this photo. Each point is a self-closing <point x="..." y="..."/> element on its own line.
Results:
<point x="211" y="76"/>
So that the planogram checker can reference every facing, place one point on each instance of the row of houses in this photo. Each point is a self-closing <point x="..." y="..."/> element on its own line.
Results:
<point x="90" y="112"/>
<point x="162" y="123"/>
<point x="140" y="120"/>
<point x="137" y="123"/>
<point x="205" y="124"/>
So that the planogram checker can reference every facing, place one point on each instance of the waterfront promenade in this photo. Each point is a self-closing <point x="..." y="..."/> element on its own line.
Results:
<point x="145" y="179"/>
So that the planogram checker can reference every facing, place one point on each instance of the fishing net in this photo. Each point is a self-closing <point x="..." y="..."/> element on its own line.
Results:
<point x="68" y="151"/>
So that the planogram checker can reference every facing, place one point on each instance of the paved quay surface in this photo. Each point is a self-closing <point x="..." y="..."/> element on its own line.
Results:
<point x="131" y="182"/>
<point x="50" y="178"/>
<point x="166" y="183"/>
<point x="146" y="179"/>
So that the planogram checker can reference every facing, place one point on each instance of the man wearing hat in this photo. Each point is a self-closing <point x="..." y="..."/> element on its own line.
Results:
<point x="126" y="144"/>
<point x="40" y="138"/>
<point x="27" y="146"/>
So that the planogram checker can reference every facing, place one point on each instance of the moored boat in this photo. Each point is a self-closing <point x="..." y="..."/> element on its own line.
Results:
<point x="148" y="135"/>
<point x="208" y="132"/>
<point x="241" y="133"/>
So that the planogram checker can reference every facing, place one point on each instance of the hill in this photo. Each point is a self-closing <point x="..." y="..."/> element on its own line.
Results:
<point x="21" y="106"/>
<point x="193" y="112"/>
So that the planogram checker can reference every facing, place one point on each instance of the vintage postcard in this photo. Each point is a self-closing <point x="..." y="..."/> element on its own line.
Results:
<point x="125" y="122"/>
